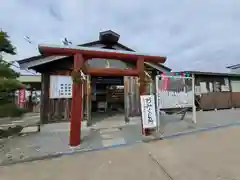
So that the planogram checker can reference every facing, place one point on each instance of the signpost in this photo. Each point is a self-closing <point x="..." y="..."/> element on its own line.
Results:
<point x="149" y="119"/>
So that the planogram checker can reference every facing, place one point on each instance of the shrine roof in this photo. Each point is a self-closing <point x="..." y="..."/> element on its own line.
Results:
<point x="107" y="39"/>
<point x="92" y="52"/>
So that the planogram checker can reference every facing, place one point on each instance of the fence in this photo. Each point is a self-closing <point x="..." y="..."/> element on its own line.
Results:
<point x="174" y="99"/>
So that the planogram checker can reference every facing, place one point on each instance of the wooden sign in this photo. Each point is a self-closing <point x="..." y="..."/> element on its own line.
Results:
<point x="149" y="119"/>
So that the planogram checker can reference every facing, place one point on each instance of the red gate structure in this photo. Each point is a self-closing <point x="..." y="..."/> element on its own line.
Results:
<point x="83" y="54"/>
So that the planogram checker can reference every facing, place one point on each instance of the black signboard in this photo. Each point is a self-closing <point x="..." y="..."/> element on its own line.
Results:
<point x="108" y="80"/>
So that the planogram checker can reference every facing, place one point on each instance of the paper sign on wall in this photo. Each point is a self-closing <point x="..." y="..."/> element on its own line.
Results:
<point x="60" y="87"/>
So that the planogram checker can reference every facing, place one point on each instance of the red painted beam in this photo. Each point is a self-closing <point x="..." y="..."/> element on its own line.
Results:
<point x="89" y="53"/>
<point x="77" y="114"/>
<point x="111" y="72"/>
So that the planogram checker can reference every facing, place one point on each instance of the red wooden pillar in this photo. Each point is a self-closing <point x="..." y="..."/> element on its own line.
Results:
<point x="141" y="74"/>
<point x="77" y="114"/>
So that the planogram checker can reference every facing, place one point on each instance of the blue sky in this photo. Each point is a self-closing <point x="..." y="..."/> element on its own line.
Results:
<point x="193" y="34"/>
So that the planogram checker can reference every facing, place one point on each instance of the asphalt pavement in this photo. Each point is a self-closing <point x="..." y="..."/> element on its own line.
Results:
<point x="212" y="155"/>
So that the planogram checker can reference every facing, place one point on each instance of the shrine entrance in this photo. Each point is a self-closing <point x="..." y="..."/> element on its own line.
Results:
<point x="81" y="56"/>
<point x="107" y="98"/>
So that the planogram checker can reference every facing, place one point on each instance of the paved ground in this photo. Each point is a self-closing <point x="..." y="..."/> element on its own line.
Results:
<point x="210" y="156"/>
<point x="54" y="138"/>
<point x="172" y="124"/>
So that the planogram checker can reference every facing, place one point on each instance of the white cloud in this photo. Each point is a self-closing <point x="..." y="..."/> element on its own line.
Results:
<point x="193" y="34"/>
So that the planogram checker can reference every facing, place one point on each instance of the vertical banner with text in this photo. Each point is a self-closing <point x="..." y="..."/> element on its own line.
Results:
<point x="21" y="97"/>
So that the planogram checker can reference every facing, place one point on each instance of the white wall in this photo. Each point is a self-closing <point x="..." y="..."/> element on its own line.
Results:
<point x="235" y="70"/>
<point x="235" y="85"/>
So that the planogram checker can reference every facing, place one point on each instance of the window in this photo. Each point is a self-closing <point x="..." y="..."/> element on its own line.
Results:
<point x="216" y="87"/>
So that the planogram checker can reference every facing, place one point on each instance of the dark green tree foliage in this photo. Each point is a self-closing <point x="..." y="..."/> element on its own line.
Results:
<point x="8" y="81"/>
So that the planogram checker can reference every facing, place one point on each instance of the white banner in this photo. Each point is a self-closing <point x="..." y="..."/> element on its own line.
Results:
<point x="149" y="118"/>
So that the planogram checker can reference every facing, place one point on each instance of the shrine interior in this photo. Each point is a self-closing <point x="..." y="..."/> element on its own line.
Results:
<point x="107" y="96"/>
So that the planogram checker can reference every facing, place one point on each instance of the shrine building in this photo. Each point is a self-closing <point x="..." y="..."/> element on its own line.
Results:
<point x="113" y="91"/>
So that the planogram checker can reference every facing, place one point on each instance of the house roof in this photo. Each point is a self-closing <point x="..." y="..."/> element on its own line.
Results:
<point x="211" y="73"/>
<point x="236" y="66"/>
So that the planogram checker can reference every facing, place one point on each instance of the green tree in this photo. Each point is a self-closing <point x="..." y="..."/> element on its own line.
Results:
<point x="8" y="81"/>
